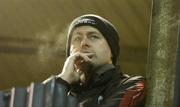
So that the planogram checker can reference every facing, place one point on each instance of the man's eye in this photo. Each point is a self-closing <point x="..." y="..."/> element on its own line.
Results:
<point x="77" y="39"/>
<point x="94" y="37"/>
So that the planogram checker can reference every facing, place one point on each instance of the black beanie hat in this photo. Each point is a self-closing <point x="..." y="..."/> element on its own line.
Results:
<point x="105" y="27"/>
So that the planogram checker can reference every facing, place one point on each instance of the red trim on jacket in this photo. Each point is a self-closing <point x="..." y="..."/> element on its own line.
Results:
<point x="133" y="96"/>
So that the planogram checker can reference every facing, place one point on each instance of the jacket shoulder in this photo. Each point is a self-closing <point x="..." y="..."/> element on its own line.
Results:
<point x="134" y="91"/>
<point x="134" y="78"/>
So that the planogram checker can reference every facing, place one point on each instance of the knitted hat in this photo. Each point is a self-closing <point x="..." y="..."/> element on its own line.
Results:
<point x="105" y="27"/>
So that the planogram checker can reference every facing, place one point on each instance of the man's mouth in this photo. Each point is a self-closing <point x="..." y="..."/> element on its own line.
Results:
<point x="90" y="56"/>
<point x="85" y="51"/>
<point x="88" y="52"/>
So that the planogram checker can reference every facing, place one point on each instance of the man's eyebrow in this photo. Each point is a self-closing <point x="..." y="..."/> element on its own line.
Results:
<point x="93" y="32"/>
<point x="78" y="33"/>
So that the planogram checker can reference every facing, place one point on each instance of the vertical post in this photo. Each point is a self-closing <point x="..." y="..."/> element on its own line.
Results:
<point x="177" y="79"/>
<point x="162" y="55"/>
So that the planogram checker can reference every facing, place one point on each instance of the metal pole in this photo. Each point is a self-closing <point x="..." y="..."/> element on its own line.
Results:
<point x="177" y="79"/>
<point x="162" y="55"/>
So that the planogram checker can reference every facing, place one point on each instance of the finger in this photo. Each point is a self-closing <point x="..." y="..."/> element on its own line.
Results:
<point x="82" y="56"/>
<point x="89" y="55"/>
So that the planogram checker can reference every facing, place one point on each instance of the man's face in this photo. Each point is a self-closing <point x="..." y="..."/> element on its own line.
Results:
<point x="87" y="39"/>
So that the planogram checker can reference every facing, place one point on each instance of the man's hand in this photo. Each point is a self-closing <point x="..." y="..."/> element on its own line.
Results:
<point x="73" y="70"/>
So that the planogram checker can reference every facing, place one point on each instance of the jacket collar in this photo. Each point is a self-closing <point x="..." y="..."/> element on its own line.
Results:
<point x="102" y="75"/>
<point x="102" y="69"/>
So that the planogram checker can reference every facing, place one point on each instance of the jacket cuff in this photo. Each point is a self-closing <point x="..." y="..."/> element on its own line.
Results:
<point x="63" y="82"/>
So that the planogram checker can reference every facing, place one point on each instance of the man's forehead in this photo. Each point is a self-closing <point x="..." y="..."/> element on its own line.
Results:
<point x="86" y="28"/>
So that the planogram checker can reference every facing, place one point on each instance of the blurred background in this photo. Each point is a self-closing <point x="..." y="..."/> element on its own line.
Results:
<point x="33" y="35"/>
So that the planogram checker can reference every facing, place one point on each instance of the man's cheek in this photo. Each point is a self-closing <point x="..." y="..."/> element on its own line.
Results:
<point x="73" y="47"/>
<point x="73" y="51"/>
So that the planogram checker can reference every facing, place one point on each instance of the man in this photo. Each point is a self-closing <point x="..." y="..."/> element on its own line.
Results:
<point x="91" y="71"/>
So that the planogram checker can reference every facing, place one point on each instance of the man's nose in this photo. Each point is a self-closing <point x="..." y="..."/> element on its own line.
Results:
<point x="84" y="42"/>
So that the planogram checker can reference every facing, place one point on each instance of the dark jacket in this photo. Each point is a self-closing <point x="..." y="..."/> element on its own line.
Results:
<point x="109" y="88"/>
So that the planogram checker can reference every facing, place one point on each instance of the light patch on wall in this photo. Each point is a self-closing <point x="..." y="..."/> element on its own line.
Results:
<point x="54" y="43"/>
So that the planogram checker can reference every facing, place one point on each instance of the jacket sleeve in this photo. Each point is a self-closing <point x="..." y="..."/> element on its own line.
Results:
<point x="58" y="80"/>
<point x="57" y="91"/>
<point x="130" y="93"/>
